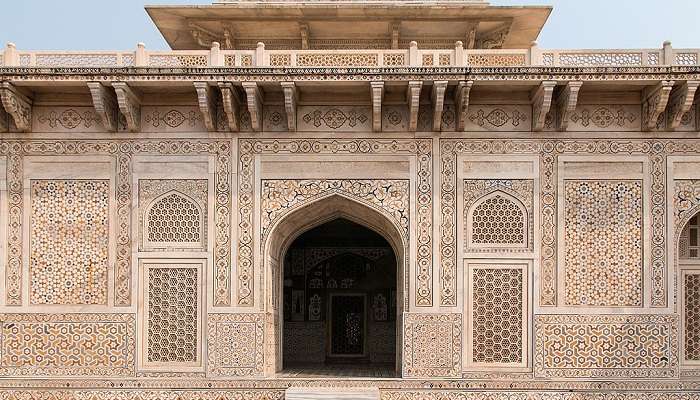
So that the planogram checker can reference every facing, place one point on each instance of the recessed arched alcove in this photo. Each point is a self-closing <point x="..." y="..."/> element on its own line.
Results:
<point x="337" y="271"/>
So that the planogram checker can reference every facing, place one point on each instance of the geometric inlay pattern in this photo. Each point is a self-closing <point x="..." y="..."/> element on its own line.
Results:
<point x="173" y="213"/>
<point x="606" y="346"/>
<point x="692" y="317"/>
<point x="67" y="344"/>
<point x="236" y="346"/>
<point x="497" y="315"/>
<point x="173" y="315"/>
<point x="603" y="243"/>
<point x="69" y="241"/>
<point x="432" y="345"/>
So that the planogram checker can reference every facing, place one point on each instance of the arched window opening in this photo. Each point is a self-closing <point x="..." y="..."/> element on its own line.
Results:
<point x="174" y="220"/>
<point x="498" y="220"/>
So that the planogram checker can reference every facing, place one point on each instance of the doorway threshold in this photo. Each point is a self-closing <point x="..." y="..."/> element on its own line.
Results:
<point x="339" y="371"/>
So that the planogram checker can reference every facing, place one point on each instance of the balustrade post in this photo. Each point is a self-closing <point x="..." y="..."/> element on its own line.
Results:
<point x="668" y="53"/>
<point x="215" y="58"/>
<point x="260" y="60"/>
<point x="413" y="60"/>
<point x="140" y="56"/>
<point x="459" y="54"/>
<point x="535" y="55"/>
<point x="10" y="55"/>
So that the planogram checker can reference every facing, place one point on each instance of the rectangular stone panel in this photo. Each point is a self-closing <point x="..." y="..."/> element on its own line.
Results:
<point x="432" y="345"/>
<point x="171" y="119"/>
<point x="236" y="344"/>
<point x="603" y="243"/>
<point x="499" y="118"/>
<point x="606" y="117"/>
<point x="606" y="346"/>
<point x="67" y="345"/>
<point x="334" y="118"/>
<point x="66" y="119"/>
<point x="69" y="241"/>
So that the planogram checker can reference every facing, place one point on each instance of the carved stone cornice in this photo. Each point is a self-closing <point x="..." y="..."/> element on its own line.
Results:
<point x="206" y="99"/>
<point x="17" y="105"/>
<point x="680" y="103"/>
<point x="438" y="98"/>
<point x="462" y="103"/>
<point x="413" y="98"/>
<point x="654" y="103"/>
<point x="106" y="106"/>
<point x="541" y="103"/>
<point x="129" y="105"/>
<point x="377" y="97"/>
<point x="566" y="104"/>
<point x="255" y="104"/>
<point x="231" y="104"/>
<point x="290" y="104"/>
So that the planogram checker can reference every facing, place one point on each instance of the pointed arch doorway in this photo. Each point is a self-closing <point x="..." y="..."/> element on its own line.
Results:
<point x="336" y="267"/>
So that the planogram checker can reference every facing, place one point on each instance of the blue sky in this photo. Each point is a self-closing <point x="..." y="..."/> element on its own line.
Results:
<point x="120" y="24"/>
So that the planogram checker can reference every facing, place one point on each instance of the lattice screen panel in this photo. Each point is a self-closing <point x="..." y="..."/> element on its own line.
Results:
<point x="172" y="312"/>
<point x="691" y="316"/>
<point x="499" y="221"/>
<point x="498" y="311"/>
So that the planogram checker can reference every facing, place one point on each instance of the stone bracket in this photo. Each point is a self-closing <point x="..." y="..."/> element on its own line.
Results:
<point x="395" y="34"/>
<point x="680" y="103"/>
<point x="541" y="104"/>
<point x="566" y="104"/>
<point x="255" y="104"/>
<point x="654" y="103"/>
<point x="413" y="98"/>
<point x="207" y="98"/>
<point x="129" y="105"/>
<point x="231" y="104"/>
<point x="290" y="104"/>
<point x="438" y="98"/>
<point x="17" y="106"/>
<point x="377" y="97"/>
<point x="462" y="103"/>
<point x="4" y="121"/>
<point x="105" y="103"/>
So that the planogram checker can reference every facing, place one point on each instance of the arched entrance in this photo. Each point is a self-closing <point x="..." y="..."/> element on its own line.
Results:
<point x="336" y="269"/>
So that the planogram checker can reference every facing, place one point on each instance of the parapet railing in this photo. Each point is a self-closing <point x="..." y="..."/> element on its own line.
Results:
<point x="413" y="57"/>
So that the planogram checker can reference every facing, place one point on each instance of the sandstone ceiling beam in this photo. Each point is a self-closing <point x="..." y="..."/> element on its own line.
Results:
<point x="129" y="105"/>
<point x="231" y="104"/>
<point x="438" y="98"/>
<point x="17" y="105"/>
<point x="206" y="99"/>
<point x="566" y="104"/>
<point x="105" y="103"/>
<point x="462" y="103"/>
<point x="413" y="98"/>
<point x="377" y="97"/>
<point x="541" y="104"/>
<point x="654" y="103"/>
<point x="290" y="104"/>
<point x="680" y="103"/>
<point x="255" y="104"/>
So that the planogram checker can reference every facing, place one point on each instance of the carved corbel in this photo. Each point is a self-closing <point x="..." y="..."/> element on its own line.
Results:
<point x="255" y="104"/>
<point x="290" y="104"/>
<point x="541" y="104"/>
<point x="413" y="97"/>
<point x="470" y="38"/>
<point x="232" y="105"/>
<point x="495" y="38"/>
<point x="566" y="104"/>
<point x="17" y="105"/>
<point x="305" y="33"/>
<point x="129" y="105"/>
<point x="462" y="93"/>
<point x="377" y="97"/>
<point x="206" y="98"/>
<point x="105" y="103"/>
<point x="438" y="98"/>
<point x="204" y="37"/>
<point x="654" y="104"/>
<point x="4" y="121"/>
<point x="680" y="103"/>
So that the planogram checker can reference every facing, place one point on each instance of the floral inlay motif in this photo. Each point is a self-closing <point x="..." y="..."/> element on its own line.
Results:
<point x="335" y="118"/>
<point x="69" y="119"/>
<point x="69" y="241"/>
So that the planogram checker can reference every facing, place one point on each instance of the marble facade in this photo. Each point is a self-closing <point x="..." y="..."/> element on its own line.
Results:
<point x="542" y="204"/>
